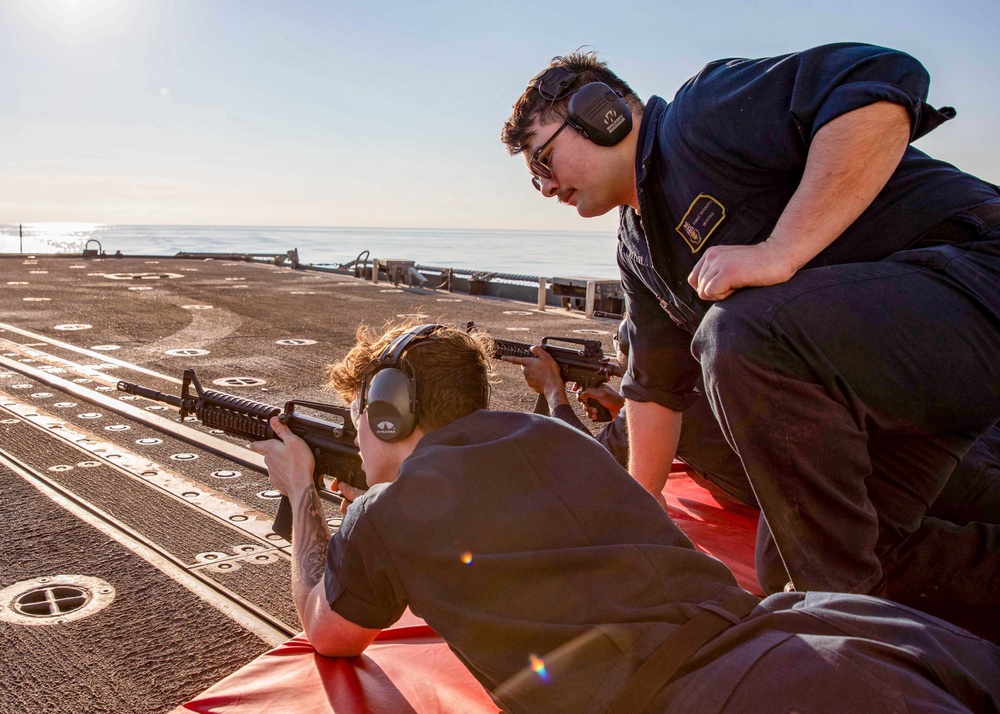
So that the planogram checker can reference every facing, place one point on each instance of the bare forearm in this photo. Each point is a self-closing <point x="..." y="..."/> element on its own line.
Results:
<point x="849" y="162"/>
<point x="653" y="434"/>
<point x="310" y="536"/>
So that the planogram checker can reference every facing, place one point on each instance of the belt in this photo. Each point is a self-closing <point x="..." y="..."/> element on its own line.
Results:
<point x="988" y="212"/>
<point x="956" y="230"/>
<point x="675" y="651"/>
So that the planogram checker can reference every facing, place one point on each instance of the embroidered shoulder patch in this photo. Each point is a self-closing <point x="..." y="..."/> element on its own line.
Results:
<point x="704" y="216"/>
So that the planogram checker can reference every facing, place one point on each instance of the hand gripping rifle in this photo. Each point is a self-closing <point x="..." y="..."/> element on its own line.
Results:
<point x="332" y="444"/>
<point x="585" y="363"/>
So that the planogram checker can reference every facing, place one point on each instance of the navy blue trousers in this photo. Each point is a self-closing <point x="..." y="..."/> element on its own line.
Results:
<point x="850" y="394"/>
<point x="822" y="652"/>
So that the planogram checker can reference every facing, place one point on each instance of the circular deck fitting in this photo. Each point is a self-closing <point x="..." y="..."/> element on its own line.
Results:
<point x="309" y="292"/>
<point x="152" y="262"/>
<point x="334" y="522"/>
<point x="73" y="327"/>
<point x="156" y="408"/>
<point x="295" y="342"/>
<point x="18" y="282"/>
<point x="591" y="331"/>
<point x="196" y="307"/>
<point x="211" y="556"/>
<point x="83" y="380"/>
<point x="238" y="518"/>
<point x="149" y="441"/>
<point x="104" y="388"/>
<point x="149" y="474"/>
<point x="61" y="405"/>
<point x="226" y="473"/>
<point x="189" y="270"/>
<point x="228" y="566"/>
<point x="186" y="352"/>
<point x="140" y="276"/>
<point x="117" y="427"/>
<point x="39" y="272"/>
<point x="42" y="395"/>
<point x="269" y="494"/>
<point x="216" y="431"/>
<point x="76" y="267"/>
<point x="106" y="348"/>
<point x="128" y="397"/>
<point x="25" y="386"/>
<point x="36" y="299"/>
<point x="184" y="457"/>
<point x="89" y="464"/>
<point x="247" y="549"/>
<point x="136" y="288"/>
<point x="54" y="600"/>
<point x="261" y="558"/>
<point x="190" y="494"/>
<point x="90" y="415"/>
<point x="59" y="468"/>
<point x="239" y="382"/>
<point x="10" y="421"/>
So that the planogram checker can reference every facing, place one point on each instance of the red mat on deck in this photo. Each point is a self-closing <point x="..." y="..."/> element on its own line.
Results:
<point x="410" y="669"/>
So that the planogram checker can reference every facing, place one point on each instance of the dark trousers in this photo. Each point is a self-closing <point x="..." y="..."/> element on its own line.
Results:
<point x="851" y="393"/>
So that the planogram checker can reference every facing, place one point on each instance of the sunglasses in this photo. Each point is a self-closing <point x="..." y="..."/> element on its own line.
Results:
<point x="539" y="167"/>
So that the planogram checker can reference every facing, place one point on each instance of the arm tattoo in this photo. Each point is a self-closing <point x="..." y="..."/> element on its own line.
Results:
<point x="309" y="539"/>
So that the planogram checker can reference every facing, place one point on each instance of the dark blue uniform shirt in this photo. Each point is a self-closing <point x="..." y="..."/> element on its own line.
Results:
<point x="718" y="164"/>
<point x="511" y="534"/>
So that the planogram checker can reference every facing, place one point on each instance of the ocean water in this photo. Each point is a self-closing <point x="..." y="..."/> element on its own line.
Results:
<point x="542" y="253"/>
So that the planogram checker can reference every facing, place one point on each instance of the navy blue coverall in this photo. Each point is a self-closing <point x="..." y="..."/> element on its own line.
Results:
<point x="851" y="391"/>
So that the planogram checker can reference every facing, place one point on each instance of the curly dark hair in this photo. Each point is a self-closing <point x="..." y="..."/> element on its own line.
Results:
<point x="517" y="129"/>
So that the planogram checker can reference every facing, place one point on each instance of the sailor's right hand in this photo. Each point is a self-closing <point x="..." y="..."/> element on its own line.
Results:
<point x="288" y="458"/>
<point x="349" y="493"/>
<point x="603" y="394"/>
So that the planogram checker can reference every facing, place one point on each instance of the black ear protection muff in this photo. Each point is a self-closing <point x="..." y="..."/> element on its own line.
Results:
<point x="595" y="110"/>
<point x="389" y="390"/>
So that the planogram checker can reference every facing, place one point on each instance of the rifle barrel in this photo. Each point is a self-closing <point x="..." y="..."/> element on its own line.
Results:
<point x="139" y="391"/>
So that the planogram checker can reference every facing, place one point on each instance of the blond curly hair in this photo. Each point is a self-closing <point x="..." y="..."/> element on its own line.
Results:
<point x="452" y="370"/>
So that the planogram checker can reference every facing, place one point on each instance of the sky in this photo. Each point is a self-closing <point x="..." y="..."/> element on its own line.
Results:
<point x="387" y="113"/>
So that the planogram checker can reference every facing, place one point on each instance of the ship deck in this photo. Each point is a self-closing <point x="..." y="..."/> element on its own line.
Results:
<point x="162" y="530"/>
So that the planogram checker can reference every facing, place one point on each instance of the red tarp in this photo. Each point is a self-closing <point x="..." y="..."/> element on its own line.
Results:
<point x="410" y="669"/>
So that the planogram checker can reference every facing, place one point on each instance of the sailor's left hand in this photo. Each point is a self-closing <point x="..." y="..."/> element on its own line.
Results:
<point x="288" y="458"/>
<point x="724" y="269"/>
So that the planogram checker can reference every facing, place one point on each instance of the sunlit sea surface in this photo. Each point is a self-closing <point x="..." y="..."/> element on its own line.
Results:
<point x="541" y="253"/>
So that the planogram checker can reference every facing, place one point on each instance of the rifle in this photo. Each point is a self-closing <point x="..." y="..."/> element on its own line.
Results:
<point x="332" y="444"/>
<point x="587" y="365"/>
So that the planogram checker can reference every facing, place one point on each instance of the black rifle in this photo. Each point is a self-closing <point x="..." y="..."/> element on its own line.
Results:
<point x="585" y="363"/>
<point x="332" y="444"/>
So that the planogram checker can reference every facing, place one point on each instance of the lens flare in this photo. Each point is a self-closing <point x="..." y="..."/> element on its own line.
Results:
<point x="538" y="667"/>
<point x="467" y="558"/>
